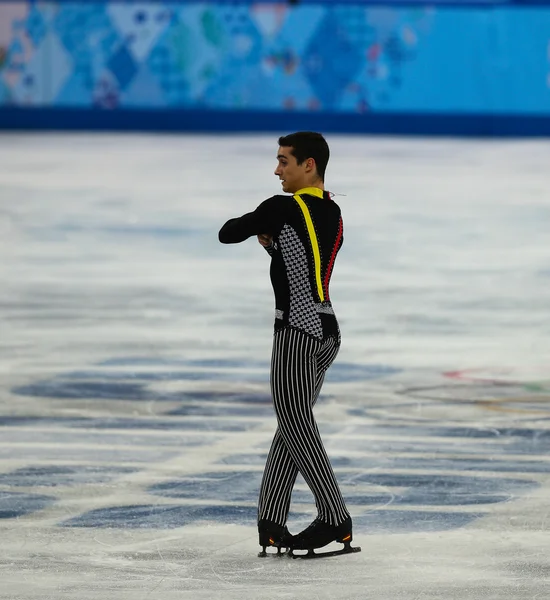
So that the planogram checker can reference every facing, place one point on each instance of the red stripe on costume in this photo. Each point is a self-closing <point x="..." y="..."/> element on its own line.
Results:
<point x="333" y="258"/>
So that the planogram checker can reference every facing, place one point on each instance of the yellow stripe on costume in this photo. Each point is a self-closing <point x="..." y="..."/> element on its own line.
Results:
<point x="314" y="243"/>
<point x="312" y="191"/>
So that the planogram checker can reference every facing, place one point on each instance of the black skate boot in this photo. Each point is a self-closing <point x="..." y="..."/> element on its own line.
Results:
<point x="319" y="534"/>
<point x="272" y="534"/>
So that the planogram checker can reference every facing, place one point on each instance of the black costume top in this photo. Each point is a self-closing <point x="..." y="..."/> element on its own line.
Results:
<point x="307" y="234"/>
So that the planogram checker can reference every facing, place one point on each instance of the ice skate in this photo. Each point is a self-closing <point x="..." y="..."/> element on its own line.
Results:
<point x="320" y="534"/>
<point x="272" y="534"/>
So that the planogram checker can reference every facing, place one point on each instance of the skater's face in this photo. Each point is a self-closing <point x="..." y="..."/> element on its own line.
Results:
<point x="293" y="176"/>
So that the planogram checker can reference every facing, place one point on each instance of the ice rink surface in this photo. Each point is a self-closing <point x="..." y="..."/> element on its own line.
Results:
<point x="134" y="352"/>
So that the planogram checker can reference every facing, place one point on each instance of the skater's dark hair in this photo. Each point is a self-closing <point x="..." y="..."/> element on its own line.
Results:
<point x="308" y="144"/>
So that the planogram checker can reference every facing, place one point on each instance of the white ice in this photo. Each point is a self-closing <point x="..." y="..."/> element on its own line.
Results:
<point x="134" y="355"/>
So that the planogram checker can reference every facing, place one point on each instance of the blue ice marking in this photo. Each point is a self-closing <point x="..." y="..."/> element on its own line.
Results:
<point x="194" y="410"/>
<point x="409" y="489"/>
<point x="173" y="516"/>
<point x="137" y="424"/>
<point x="225" y="486"/>
<point x="119" y="390"/>
<point x="431" y="463"/>
<point x="52" y="476"/>
<point x="244" y="397"/>
<point x="342" y="372"/>
<point x="469" y="464"/>
<point x="136" y="385"/>
<point x="458" y="432"/>
<point x="168" y="425"/>
<point x="86" y="390"/>
<point x="164" y="517"/>
<point x="13" y="504"/>
<point x="439" y="490"/>
<point x="15" y="421"/>
<point x="398" y="521"/>
<point x="136" y="361"/>
<point x="152" y="376"/>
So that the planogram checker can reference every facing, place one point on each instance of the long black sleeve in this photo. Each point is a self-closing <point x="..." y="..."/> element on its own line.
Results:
<point x="265" y="219"/>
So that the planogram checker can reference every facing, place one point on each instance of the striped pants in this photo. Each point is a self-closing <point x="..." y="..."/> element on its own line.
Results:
<point x="298" y="366"/>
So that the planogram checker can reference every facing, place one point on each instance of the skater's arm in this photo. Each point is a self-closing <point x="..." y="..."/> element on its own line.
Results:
<point x="263" y="221"/>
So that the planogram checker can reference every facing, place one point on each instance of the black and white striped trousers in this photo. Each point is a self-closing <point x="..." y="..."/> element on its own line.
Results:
<point x="298" y="366"/>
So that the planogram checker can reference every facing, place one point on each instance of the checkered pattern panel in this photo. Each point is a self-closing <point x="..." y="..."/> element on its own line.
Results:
<point x="303" y="312"/>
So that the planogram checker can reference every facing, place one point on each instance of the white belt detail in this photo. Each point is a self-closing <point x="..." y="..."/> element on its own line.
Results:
<point x="320" y="308"/>
<point x="324" y="308"/>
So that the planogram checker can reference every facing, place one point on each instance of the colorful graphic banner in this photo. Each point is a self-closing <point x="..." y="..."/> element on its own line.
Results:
<point x="332" y="58"/>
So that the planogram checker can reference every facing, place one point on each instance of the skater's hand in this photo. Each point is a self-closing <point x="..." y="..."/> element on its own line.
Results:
<point x="265" y="239"/>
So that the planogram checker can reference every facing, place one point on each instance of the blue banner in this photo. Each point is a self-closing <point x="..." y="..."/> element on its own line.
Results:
<point x="343" y="58"/>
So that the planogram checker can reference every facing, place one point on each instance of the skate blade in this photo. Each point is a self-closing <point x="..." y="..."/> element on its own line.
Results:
<point x="311" y="554"/>
<point x="279" y="554"/>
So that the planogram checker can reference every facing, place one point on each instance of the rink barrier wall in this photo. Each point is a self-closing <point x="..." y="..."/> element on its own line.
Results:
<point x="478" y="68"/>
<point x="197" y="121"/>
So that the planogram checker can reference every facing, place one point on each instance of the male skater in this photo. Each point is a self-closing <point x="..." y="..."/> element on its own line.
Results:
<point x="303" y="233"/>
